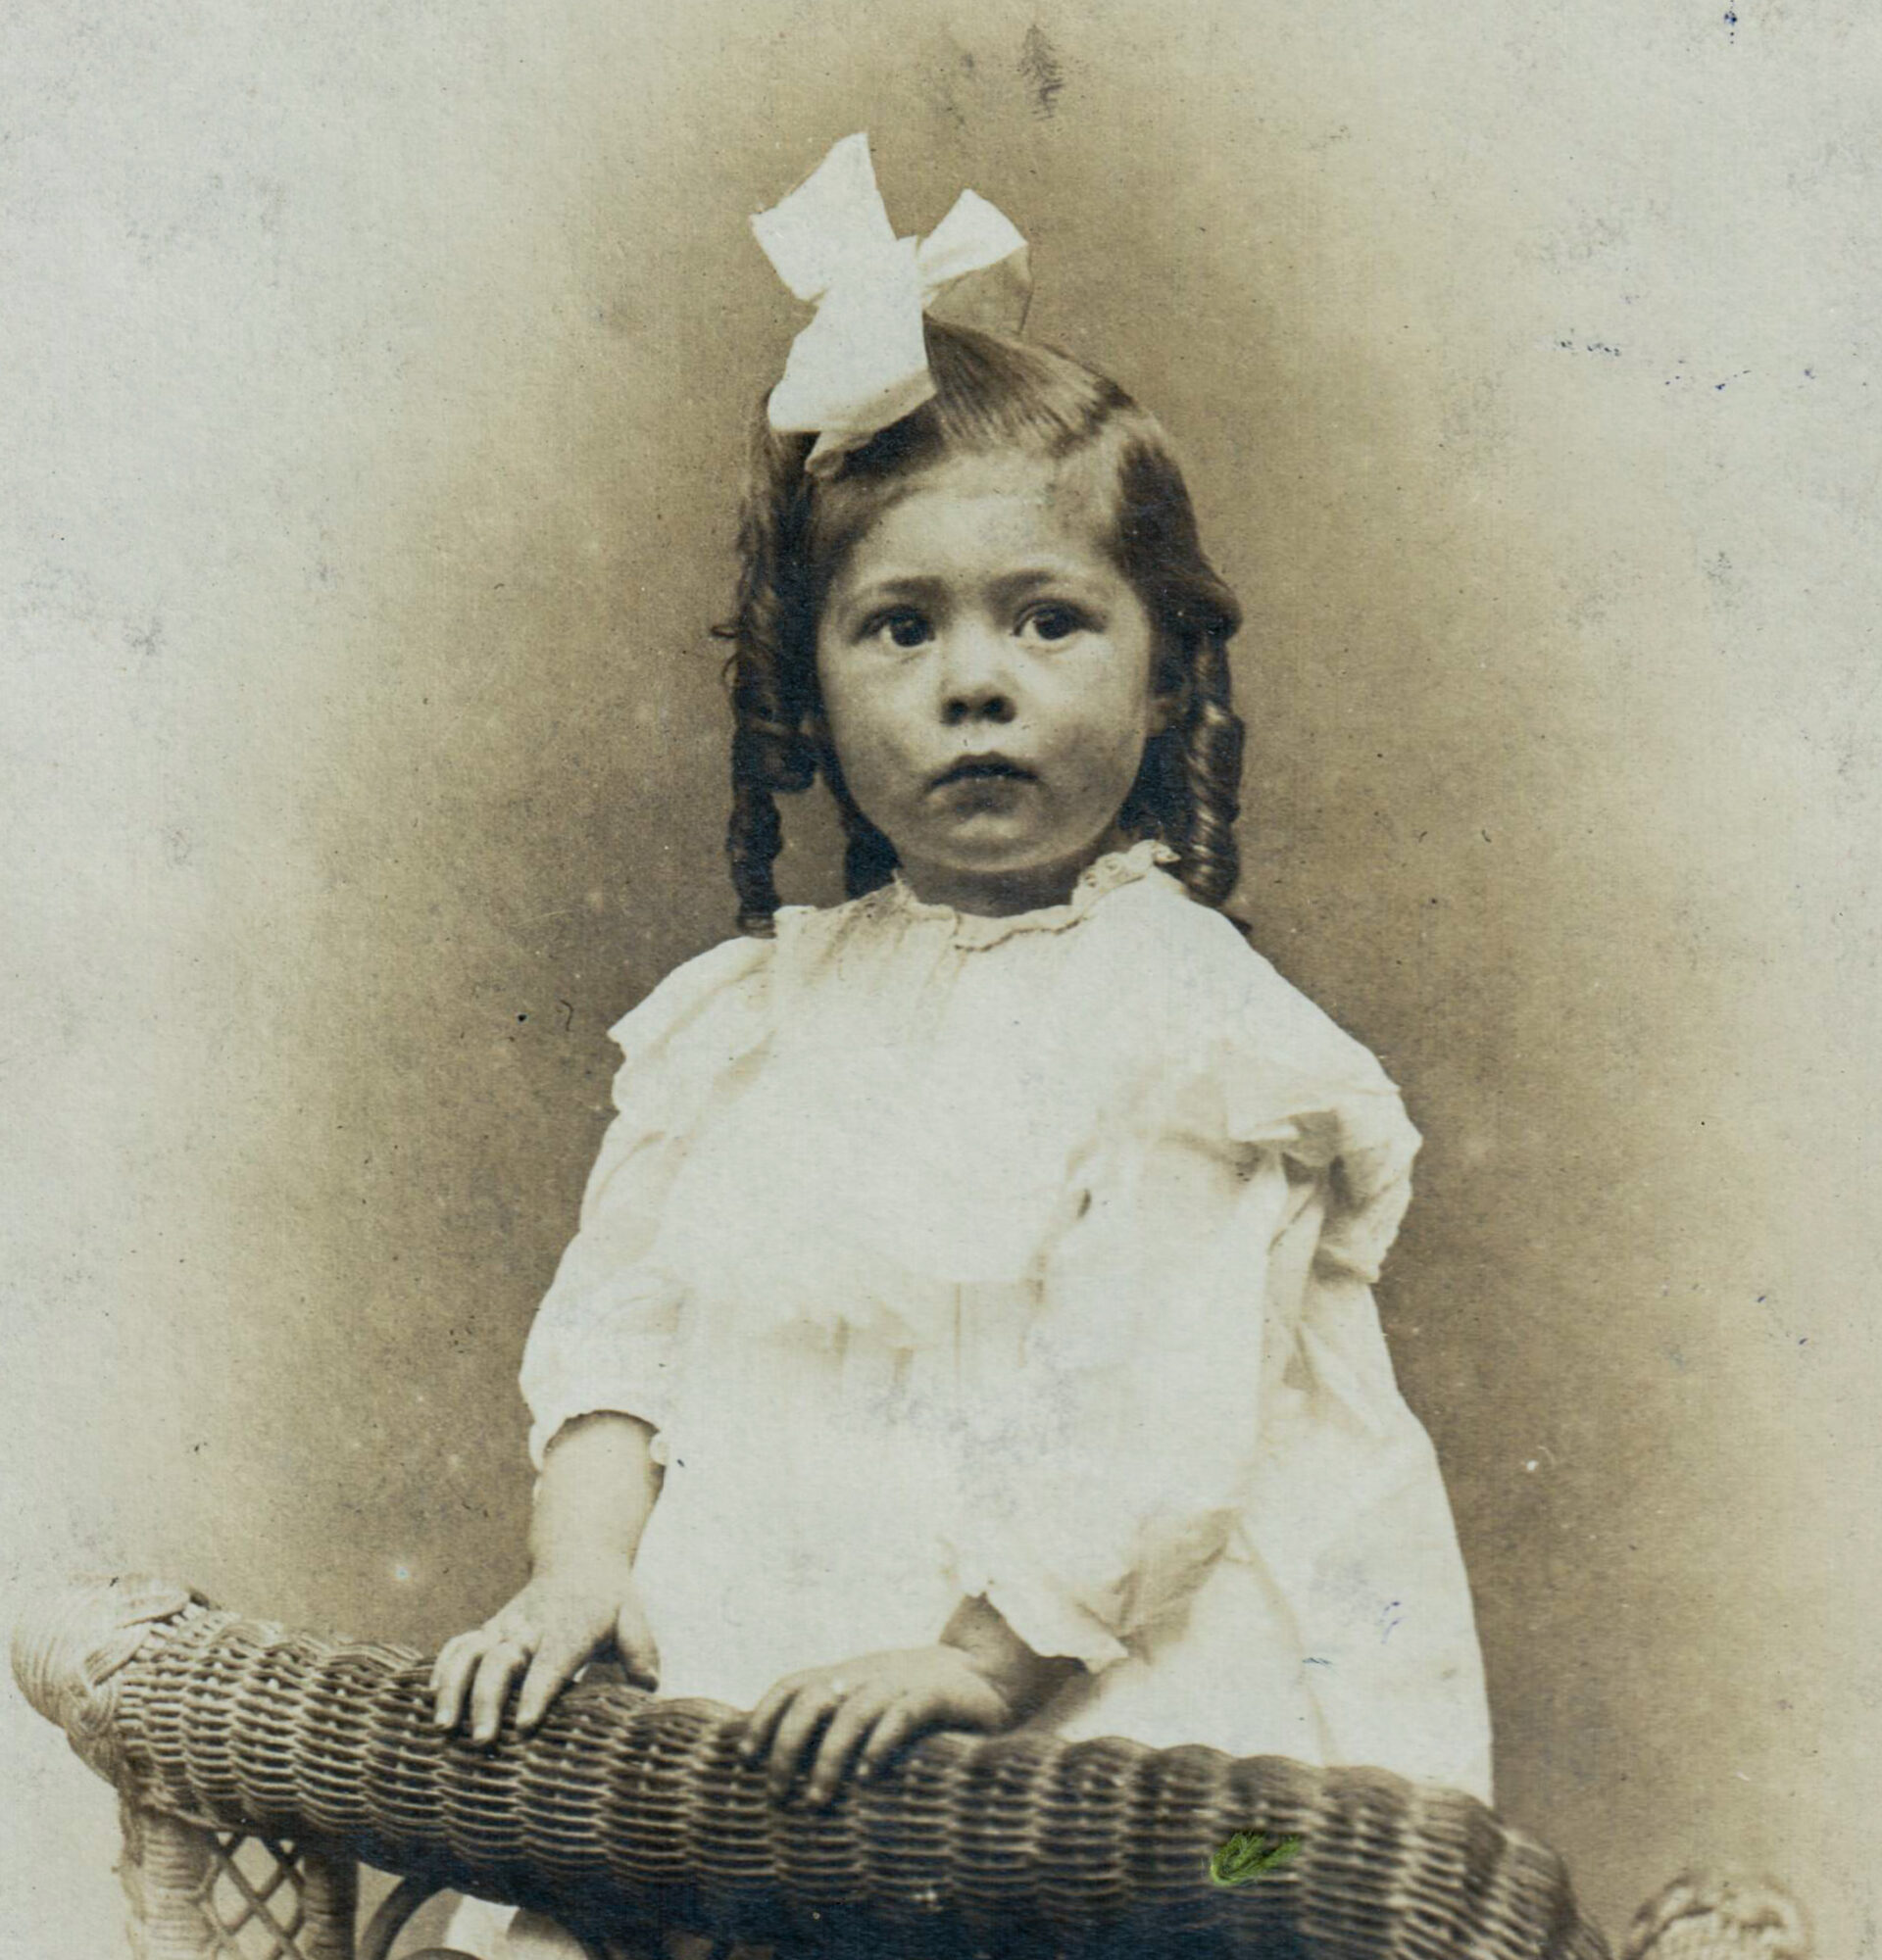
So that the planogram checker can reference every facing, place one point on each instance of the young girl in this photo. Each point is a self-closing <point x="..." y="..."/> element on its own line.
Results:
<point x="969" y="1322"/>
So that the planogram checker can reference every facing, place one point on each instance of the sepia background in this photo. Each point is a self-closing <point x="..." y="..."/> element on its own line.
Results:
<point x="374" y="382"/>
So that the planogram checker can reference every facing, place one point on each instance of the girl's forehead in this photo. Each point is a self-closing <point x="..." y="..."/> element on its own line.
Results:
<point x="984" y="504"/>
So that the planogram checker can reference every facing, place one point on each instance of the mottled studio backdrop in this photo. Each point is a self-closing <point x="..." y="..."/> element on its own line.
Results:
<point x="373" y="376"/>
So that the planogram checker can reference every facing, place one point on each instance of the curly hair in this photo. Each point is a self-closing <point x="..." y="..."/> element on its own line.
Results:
<point x="992" y="393"/>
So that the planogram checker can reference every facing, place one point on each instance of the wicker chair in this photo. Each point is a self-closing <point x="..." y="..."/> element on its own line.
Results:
<point x="258" y="1768"/>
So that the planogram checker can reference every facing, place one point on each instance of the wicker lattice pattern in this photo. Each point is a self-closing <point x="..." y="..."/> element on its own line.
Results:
<point x="627" y="1814"/>
<point x="253" y="1898"/>
<point x="219" y="1895"/>
<point x="1716" y="1917"/>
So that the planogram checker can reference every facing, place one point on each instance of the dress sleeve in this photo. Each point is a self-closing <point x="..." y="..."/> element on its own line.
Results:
<point x="607" y="1336"/>
<point x="1107" y="1472"/>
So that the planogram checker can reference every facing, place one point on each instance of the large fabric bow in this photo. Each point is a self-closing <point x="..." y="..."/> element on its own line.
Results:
<point x="861" y="364"/>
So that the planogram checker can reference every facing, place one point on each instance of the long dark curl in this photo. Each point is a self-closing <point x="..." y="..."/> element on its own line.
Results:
<point x="992" y="393"/>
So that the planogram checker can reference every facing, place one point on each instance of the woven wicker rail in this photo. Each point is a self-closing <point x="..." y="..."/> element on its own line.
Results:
<point x="626" y="1815"/>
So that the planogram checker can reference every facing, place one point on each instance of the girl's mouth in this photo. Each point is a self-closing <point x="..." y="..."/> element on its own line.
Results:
<point x="983" y="770"/>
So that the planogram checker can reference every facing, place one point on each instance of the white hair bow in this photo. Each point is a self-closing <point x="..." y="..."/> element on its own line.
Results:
<point x="861" y="362"/>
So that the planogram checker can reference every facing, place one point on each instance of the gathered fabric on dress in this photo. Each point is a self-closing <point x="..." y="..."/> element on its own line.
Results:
<point x="1029" y="1258"/>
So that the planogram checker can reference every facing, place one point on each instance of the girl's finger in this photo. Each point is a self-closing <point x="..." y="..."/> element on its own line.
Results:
<point x="763" y="1719"/>
<point x="635" y="1643"/>
<point x="636" y="1647"/>
<point x="454" y="1648"/>
<point x="497" y="1673"/>
<point x="810" y="1709"/>
<point x="901" y="1723"/>
<point x="847" y="1731"/>
<point x="550" y="1672"/>
<point x="450" y="1675"/>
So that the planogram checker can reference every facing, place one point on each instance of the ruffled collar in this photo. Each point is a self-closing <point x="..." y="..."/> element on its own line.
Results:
<point x="973" y="932"/>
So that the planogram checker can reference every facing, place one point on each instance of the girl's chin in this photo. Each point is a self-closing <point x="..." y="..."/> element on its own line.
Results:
<point x="998" y="882"/>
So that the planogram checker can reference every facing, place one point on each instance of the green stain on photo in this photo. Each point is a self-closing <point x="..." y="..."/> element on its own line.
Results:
<point x="1245" y="1856"/>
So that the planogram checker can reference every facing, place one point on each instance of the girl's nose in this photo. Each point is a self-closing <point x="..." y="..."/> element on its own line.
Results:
<point x="976" y="684"/>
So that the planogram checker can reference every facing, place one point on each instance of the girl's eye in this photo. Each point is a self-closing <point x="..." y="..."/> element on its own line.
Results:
<point x="902" y="629"/>
<point x="1055" y="622"/>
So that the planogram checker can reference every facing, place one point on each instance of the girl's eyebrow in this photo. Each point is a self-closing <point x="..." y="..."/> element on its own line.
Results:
<point x="896" y="585"/>
<point x="1008" y="586"/>
<point x="1029" y="578"/>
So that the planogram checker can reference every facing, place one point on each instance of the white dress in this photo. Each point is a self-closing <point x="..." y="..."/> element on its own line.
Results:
<point x="1029" y="1258"/>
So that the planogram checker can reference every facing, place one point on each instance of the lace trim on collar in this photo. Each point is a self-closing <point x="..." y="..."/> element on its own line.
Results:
<point x="975" y="931"/>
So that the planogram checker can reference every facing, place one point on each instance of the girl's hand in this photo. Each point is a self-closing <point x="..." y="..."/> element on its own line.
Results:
<point x="866" y="1711"/>
<point x="556" y="1624"/>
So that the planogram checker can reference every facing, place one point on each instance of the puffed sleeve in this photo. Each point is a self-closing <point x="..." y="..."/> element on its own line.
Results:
<point x="1107" y="1471"/>
<point x="607" y="1336"/>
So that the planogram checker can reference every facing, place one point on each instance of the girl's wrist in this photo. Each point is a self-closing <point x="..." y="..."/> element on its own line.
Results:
<point x="563" y="1563"/>
<point x="1009" y="1691"/>
<point x="1021" y="1677"/>
<point x="596" y="1492"/>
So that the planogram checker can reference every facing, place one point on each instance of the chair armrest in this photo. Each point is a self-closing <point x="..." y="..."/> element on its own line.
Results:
<point x="625" y="1814"/>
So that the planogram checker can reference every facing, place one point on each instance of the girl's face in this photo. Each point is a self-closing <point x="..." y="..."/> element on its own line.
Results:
<point x="987" y="681"/>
